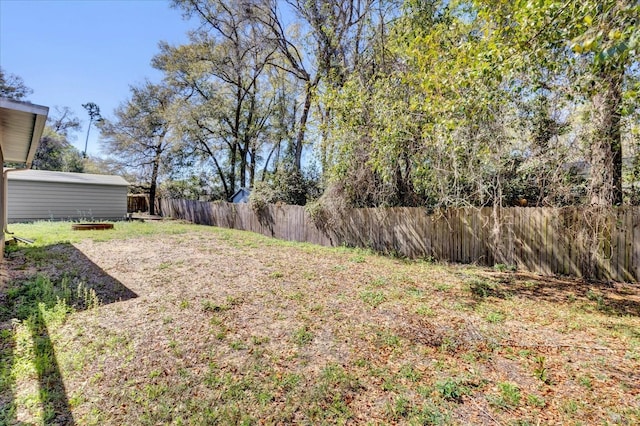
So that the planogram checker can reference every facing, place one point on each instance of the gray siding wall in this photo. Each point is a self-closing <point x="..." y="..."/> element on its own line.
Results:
<point x="29" y="201"/>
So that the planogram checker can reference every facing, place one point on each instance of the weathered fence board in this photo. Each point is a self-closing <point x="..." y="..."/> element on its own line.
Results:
<point x="568" y="241"/>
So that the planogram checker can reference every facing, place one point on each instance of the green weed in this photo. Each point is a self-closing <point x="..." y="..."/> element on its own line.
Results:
<point x="495" y="317"/>
<point x="373" y="298"/>
<point x="509" y="396"/>
<point x="328" y="398"/>
<point x="38" y="307"/>
<point x="410" y="373"/>
<point x="211" y="306"/>
<point x="302" y="336"/>
<point x="287" y="382"/>
<point x="259" y="340"/>
<point x="501" y="267"/>
<point x="452" y="389"/>
<point x="430" y="414"/>
<point x="387" y="339"/>
<point x="443" y="287"/>
<point x="597" y="297"/>
<point x="536" y="401"/>
<point x="399" y="409"/>
<point x="415" y="292"/>
<point x="482" y="288"/>
<point x="297" y="296"/>
<point x="540" y="370"/>
<point x="425" y="310"/>
<point x="569" y="407"/>
<point x="379" y="282"/>
<point x="238" y="345"/>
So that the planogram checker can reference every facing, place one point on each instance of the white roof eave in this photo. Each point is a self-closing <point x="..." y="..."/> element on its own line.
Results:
<point x="21" y="127"/>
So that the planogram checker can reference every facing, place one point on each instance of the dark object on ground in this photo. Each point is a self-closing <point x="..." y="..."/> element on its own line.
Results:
<point x="91" y="226"/>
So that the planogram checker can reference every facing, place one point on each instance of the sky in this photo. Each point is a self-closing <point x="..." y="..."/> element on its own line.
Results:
<point x="71" y="52"/>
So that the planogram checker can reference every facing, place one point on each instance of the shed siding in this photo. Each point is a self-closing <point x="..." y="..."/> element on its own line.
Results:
<point x="29" y="200"/>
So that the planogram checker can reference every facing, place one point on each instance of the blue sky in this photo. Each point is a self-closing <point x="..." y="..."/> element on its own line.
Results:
<point x="77" y="51"/>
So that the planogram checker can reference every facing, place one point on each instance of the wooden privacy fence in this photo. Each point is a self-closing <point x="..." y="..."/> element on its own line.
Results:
<point x="567" y="241"/>
<point x="137" y="203"/>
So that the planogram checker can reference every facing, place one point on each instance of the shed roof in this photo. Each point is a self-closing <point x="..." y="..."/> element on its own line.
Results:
<point x="240" y="196"/>
<point x="21" y="125"/>
<point x="67" y="177"/>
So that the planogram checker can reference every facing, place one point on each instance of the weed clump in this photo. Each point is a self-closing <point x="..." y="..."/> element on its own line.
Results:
<point x="31" y="296"/>
<point x="452" y="389"/>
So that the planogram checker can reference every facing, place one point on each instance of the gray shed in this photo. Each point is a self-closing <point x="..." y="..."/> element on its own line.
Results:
<point x="46" y="195"/>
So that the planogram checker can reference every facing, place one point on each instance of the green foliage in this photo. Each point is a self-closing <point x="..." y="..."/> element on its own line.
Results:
<point x="509" y="396"/>
<point x="55" y="151"/>
<point x="209" y="306"/>
<point x="430" y="414"/>
<point x="303" y="336"/>
<point x="495" y="317"/>
<point x="425" y="310"/>
<point x="284" y="186"/>
<point x="193" y="187"/>
<point x="319" y="214"/>
<point x="373" y="298"/>
<point x="483" y="105"/>
<point x="327" y="401"/>
<point x="501" y="267"/>
<point x="42" y="293"/>
<point x="540" y="370"/>
<point x="452" y="389"/>
<point x="399" y="409"/>
<point x="482" y="288"/>
<point x="410" y="373"/>
<point x="12" y="86"/>
<point x="536" y="401"/>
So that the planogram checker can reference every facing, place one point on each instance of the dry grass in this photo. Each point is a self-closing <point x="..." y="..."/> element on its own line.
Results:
<point x="208" y="326"/>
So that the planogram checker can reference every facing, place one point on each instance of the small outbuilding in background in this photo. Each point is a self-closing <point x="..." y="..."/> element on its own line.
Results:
<point x="47" y="195"/>
<point x="241" y="196"/>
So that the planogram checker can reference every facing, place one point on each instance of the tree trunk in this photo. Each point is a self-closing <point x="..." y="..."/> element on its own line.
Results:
<point x="227" y="193"/>
<point x="243" y="167"/>
<point x="154" y="182"/>
<point x="237" y="144"/>
<point x="266" y="163"/>
<point x="310" y="87"/>
<point x="606" y="146"/>
<point x="252" y="167"/>
<point x="232" y="167"/>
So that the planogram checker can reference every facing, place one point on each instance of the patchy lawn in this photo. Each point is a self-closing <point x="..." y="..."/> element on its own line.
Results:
<point x="169" y="323"/>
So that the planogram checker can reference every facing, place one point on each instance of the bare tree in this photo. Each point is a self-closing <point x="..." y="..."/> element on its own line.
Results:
<point x="337" y="29"/>
<point x="13" y="87"/>
<point x="221" y="74"/>
<point x="139" y="136"/>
